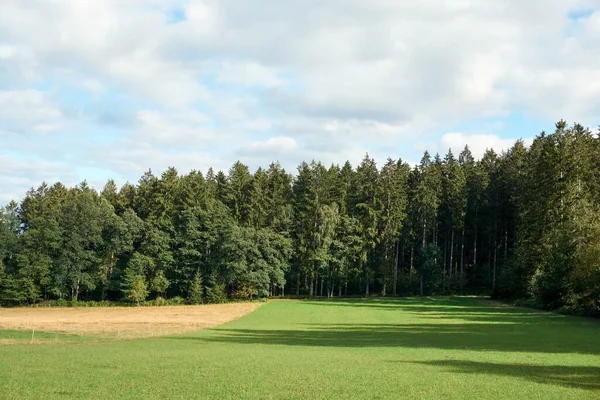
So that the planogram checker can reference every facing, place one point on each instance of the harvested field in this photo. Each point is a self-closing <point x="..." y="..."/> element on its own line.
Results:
<point x="121" y="322"/>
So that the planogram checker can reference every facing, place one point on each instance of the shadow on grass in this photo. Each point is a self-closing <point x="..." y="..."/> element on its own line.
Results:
<point x="446" y="323"/>
<point x="478" y="337"/>
<point x="570" y="376"/>
<point x="430" y="305"/>
<point x="481" y="310"/>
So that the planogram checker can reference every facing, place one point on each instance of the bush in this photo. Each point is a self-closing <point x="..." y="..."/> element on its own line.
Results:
<point x="175" y="301"/>
<point x="243" y="291"/>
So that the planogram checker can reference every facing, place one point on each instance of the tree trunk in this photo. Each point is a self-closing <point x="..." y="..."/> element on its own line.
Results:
<point x="494" y="271"/>
<point x="410" y="272"/>
<point x="310" y="293"/>
<point x="505" y="244"/>
<point x="321" y="291"/>
<point x="75" y="290"/>
<point x="462" y="256"/>
<point x="494" y="288"/>
<point x="360" y="285"/>
<point x="422" y="285"/>
<point x="396" y="268"/>
<point x="298" y="284"/>
<point x="490" y="262"/>
<point x="452" y="251"/>
<point x="475" y="250"/>
<point x="340" y="290"/>
<point x="444" y="264"/>
<point x="475" y="243"/>
<point x="367" y="285"/>
<point x="385" y="265"/>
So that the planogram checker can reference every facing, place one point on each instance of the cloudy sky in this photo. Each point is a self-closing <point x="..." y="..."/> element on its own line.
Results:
<point x="94" y="89"/>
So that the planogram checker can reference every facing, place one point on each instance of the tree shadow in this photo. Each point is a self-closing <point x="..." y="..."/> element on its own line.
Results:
<point x="480" y="310"/>
<point x="569" y="376"/>
<point x="466" y="336"/>
<point x="428" y="304"/>
<point x="440" y="323"/>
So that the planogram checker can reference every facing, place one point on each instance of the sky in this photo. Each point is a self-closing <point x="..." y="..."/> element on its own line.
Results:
<point x="95" y="89"/>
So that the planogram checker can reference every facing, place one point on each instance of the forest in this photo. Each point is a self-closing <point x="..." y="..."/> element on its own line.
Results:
<point x="523" y="224"/>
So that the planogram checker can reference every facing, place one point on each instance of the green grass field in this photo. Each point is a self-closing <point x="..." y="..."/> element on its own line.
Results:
<point x="433" y="348"/>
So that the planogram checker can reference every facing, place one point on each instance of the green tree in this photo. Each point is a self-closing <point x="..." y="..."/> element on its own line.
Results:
<point x="426" y="198"/>
<point x="134" y="286"/>
<point x="365" y="207"/>
<point x="454" y="207"/>
<point x="237" y="195"/>
<point x="196" y="290"/>
<point x="392" y="188"/>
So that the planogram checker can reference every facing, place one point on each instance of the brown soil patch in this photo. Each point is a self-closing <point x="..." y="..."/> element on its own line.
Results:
<point x="123" y="322"/>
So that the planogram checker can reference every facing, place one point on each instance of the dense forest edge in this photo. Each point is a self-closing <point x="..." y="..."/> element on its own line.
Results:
<point x="523" y="225"/>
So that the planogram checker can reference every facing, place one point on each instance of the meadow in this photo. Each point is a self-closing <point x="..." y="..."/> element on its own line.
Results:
<point x="425" y="348"/>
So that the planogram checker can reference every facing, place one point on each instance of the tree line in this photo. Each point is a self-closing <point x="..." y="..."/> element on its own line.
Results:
<point x="521" y="224"/>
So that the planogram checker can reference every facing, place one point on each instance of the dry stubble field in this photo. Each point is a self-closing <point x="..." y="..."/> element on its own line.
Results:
<point x="120" y="322"/>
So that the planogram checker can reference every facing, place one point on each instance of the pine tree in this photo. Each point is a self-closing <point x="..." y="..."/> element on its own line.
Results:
<point x="237" y="193"/>
<point x="259" y="200"/>
<point x="365" y="207"/>
<point x="134" y="284"/>
<point x="426" y="198"/>
<point x="454" y="207"/>
<point x="393" y="199"/>
<point x="196" y="290"/>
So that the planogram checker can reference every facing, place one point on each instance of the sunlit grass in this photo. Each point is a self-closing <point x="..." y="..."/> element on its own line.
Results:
<point x="446" y="348"/>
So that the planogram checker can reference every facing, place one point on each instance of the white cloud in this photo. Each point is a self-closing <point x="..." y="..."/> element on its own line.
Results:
<point x="327" y="80"/>
<point x="478" y="144"/>
<point x="247" y="73"/>
<point x="130" y="164"/>
<point x="177" y="130"/>
<point x="16" y="177"/>
<point x="25" y="110"/>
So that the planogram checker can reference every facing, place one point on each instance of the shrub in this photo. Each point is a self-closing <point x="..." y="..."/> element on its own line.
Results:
<point x="243" y="291"/>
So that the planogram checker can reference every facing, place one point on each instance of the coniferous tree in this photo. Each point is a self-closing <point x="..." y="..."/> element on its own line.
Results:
<point x="365" y="207"/>
<point x="522" y="223"/>
<point x="393" y="200"/>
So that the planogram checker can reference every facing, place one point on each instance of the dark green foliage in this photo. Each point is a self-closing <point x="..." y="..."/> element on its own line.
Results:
<point x="215" y="289"/>
<point x="430" y="269"/>
<point x="196" y="290"/>
<point x="521" y="224"/>
<point x="134" y="284"/>
<point x="159" y="283"/>
<point x="15" y="291"/>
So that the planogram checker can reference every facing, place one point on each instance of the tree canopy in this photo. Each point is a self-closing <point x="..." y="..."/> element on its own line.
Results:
<point x="524" y="223"/>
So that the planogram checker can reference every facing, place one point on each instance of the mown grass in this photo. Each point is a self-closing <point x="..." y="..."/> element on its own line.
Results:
<point x="433" y="348"/>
